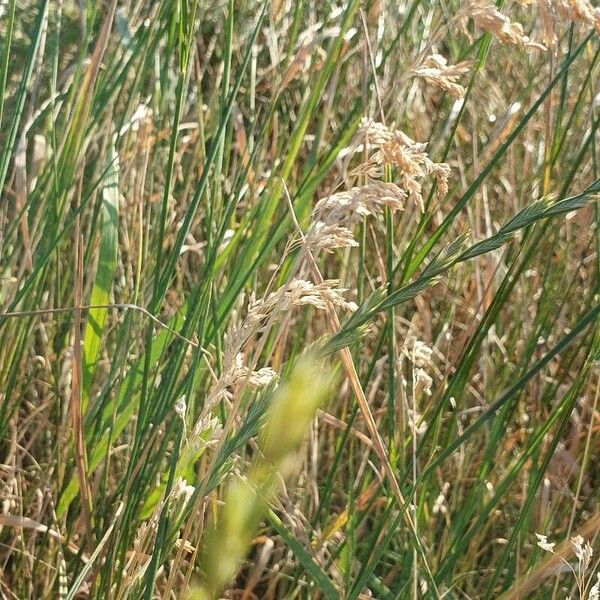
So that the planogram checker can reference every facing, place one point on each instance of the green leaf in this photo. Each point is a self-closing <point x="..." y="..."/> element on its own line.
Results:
<point x="311" y="566"/>
<point x="105" y="273"/>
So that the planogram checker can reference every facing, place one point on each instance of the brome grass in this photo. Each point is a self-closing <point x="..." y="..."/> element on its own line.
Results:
<point x="299" y="300"/>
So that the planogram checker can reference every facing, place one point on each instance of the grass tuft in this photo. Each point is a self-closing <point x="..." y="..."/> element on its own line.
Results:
<point x="196" y="197"/>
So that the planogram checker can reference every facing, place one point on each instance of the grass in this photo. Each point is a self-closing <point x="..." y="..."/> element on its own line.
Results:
<point x="199" y="201"/>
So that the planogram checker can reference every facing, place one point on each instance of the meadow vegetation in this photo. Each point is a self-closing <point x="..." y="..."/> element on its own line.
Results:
<point x="299" y="299"/>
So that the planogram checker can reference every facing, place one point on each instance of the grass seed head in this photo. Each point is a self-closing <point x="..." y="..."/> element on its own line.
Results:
<point x="396" y="148"/>
<point x="348" y="208"/>
<point x="490" y="19"/>
<point x="436" y="71"/>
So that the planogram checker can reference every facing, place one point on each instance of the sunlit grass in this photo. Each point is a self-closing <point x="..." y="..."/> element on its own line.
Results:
<point x="195" y="196"/>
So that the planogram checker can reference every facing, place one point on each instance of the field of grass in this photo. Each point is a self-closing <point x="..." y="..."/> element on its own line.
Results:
<point x="299" y="299"/>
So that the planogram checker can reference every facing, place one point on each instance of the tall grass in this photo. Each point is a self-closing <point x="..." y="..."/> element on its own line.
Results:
<point x="195" y="196"/>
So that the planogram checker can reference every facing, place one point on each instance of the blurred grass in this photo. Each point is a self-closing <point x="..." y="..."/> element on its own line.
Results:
<point x="164" y="137"/>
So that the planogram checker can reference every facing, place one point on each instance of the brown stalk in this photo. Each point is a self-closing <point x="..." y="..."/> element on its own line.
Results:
<point x="96" y="60"/>
<point x="76" y="132"/>
<point x="84" y="103"/>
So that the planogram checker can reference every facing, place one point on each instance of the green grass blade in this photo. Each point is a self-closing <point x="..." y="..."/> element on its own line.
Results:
<point x="312" y="568"/>
<point x="105" y="274"/>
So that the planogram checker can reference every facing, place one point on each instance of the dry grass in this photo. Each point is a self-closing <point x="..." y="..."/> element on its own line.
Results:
<point x="203" y="202"/>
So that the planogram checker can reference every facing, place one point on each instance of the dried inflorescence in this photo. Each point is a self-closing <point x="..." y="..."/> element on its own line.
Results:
<point x="327" y="237"/>
<point x="436" y="71"/>
<point x="260" y="316"/>
<point x="550" y="11"/>
<point x="396" y="148"/>
<point x="420" y="357"/>
<point x="420" y="361"/>
<point x="261" y="313"/>
<point x="440" y="506"/>
<point x="489" y="18"/>
<point x="584" y="553"/>
<point x="334" y="215"/>
<point x="548" y="19"/>
<point x="298" y="292"/>
<point x="579" y="10"/>
<point x="239" y="373"/>
<point x="350" y="207"/>
<point x="420" y="354"/>
<point x="140" y="558"/>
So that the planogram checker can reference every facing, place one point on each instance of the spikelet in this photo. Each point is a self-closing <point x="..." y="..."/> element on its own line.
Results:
<point x="207" y="432"/>
<point x="326" y="237"/>
<point x="550" y="11"/>
<point x="583" y="551"/>
<point x="299" y="292"/>
<point x="396" y="148"/>
<point x="350" y="207"/>
<point x="544" y="544"/>
<point x="490" y="19"/>
<point x="261" y="314"/>
<point x="579" y="11"/>
<point x="436" y="71"/>
<point x="237" y="373"/>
